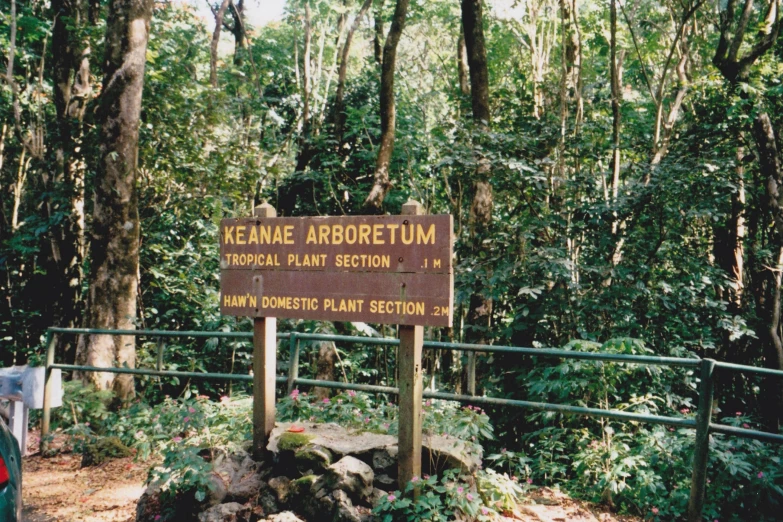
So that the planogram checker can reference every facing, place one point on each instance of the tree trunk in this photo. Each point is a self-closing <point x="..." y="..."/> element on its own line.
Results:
<point x="480" y="307"/>
<point x="382" y="184"/>
<point x="303" y="157"/>
<point x="377" y="41"/>
<point x="462" y="64"/>
<point x="339" y="100"/>
<point x="114" y="249"/>
<point x="213" y="55"/>
<point x="238" y="29"/>
<point x="72" y="90"/>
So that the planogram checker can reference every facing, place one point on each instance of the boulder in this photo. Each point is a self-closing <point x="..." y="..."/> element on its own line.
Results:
<point x="344" y="510"/>
<point x="338" y="440"/>
<point x="312" y="459"/>
<point x="384" y="460"/>
<point x="223" y="513"/>
<point x="385" y="482"/>
<point x="282" y="488"/>
<point x="285" y="516"/>
<point x="245" y="482"/>
<point x="350" y="475"/>
<point x="440" y="452"/>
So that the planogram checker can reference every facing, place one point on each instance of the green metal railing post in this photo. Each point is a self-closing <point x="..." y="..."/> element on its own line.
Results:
<point x="702" y="447"/>
<point x="47" y="399"/>
<point x="293" y="362"/>
<point x="161" y="348"/>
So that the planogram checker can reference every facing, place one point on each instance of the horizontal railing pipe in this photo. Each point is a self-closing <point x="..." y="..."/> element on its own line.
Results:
<point x="749" y="369"/>
<point x="745" y="433"/>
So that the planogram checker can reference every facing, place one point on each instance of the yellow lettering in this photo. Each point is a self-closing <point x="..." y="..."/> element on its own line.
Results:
<point x="342" y="308"/>
<point x="253" y="237"/>
<point x="288" y="233"/>
<point x="350" y="234"/>
<point x="419" y="308"/>
<point x="385" y="261"/>
<point x="422" y="238"/>
<point x="228" y="235"/>
<point x="278" y="237"/>
<point x="337" y="234"/>
<point x="364" y="234"/>
<point x="310" y="235"/>
<point x="393" y="229"/>
<point x="436" y="263"/>
<point x="235" y="259"/>
<point x="241" y="235"/>
<point x="253" y="301"/>
<point x="377" y="230"/>
<point x="264" y="234"/>
<point x="409" y="239"/>
<point x="226" y="300"/>
<point x="323" y="234"/>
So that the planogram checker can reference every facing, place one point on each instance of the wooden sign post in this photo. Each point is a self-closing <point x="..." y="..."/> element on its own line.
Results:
<point x="264" y="364"/>
<point x="410" y="385"/>
<point x="376" y="269"/>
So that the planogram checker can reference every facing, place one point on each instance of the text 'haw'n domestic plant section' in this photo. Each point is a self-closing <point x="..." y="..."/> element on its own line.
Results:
<point x="379" y="269"/>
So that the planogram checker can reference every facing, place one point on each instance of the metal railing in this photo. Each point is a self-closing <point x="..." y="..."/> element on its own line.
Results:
<point x="702" y="423"/>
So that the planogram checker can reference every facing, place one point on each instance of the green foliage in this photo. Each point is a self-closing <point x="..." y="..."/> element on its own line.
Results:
<point x="438" y="501"/>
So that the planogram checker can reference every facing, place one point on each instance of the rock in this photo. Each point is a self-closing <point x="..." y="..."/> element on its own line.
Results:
<point x="103" y="449"/>
<point x="312" y="459"/>
<point x="267" y="500"/>
<point x="350" y="475"/>
<point x="149" y="505"/>
<point x="344" y="509"/>
<point x="385" y="460"/>
<point x="292" y="441"/>
<point x="245" y="483"/>
<point x="384" y="482"/>
<point x="338" y="440"/>
<point x="282" y="488"/>
<point x="447" y="452"/>
<point x="285" y="516"/>
<point x="377" y="495"/>
<point x="302" y="486"/>
<point x="216" y="493"/>
<point x="222" y="513"/>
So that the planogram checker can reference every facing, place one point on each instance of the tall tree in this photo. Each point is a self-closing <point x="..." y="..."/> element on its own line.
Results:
<point x="382" y="184"/>
<point x="480" y="310"/>
<point x="114" y="249"/>
<point x="734" y="57"/>
<point x="70" y="66"/>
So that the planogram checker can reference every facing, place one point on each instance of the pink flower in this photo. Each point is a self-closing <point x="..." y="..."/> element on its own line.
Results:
<point x="460" y="490"/>
<point x="186" y="419"/>
<point x="415" y="479"/>
<point x="738" y="413"/>
<point x="503" y="450"/>
<point x="224" y="399"/>
<point x="294" y="394"/>
<point x="761" y="474"/>
<point x="192" y="409"/>
<point x="484" y="511"/>
<point x="86" y="423"/>
<point x="391" y="498"/>
<point x="367" y="420"/>
<point x="157" y="517"/>
<point x="654" y="511"/>
<point x="745" y="425"/>
<point x="177" y="439"/>
<point x="469" y="497"/>
<point x="352" y="393"/>
<point x="428" y="403"/>
<point x="530" y="481"/>
<point x="426" y="477"/>
<point x="326" y="400"/>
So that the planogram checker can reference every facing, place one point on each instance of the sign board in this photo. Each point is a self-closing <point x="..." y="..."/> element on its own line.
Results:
<point x="378" y="269"/>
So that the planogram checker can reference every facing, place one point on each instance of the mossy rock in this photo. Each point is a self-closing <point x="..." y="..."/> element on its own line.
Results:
<point x="293" y="441"/>
<point x="102" y="449"/>
<point x="312" y="459"/>
<point x="302" y="486"/>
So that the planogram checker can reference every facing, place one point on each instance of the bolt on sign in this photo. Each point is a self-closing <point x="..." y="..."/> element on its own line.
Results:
<point x="378" y="269"/>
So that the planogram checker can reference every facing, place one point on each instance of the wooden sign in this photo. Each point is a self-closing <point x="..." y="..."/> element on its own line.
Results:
<point x="379" y="269"/>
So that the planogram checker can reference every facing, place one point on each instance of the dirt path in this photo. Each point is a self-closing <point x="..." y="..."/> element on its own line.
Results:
<point x="56" y="489"/>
